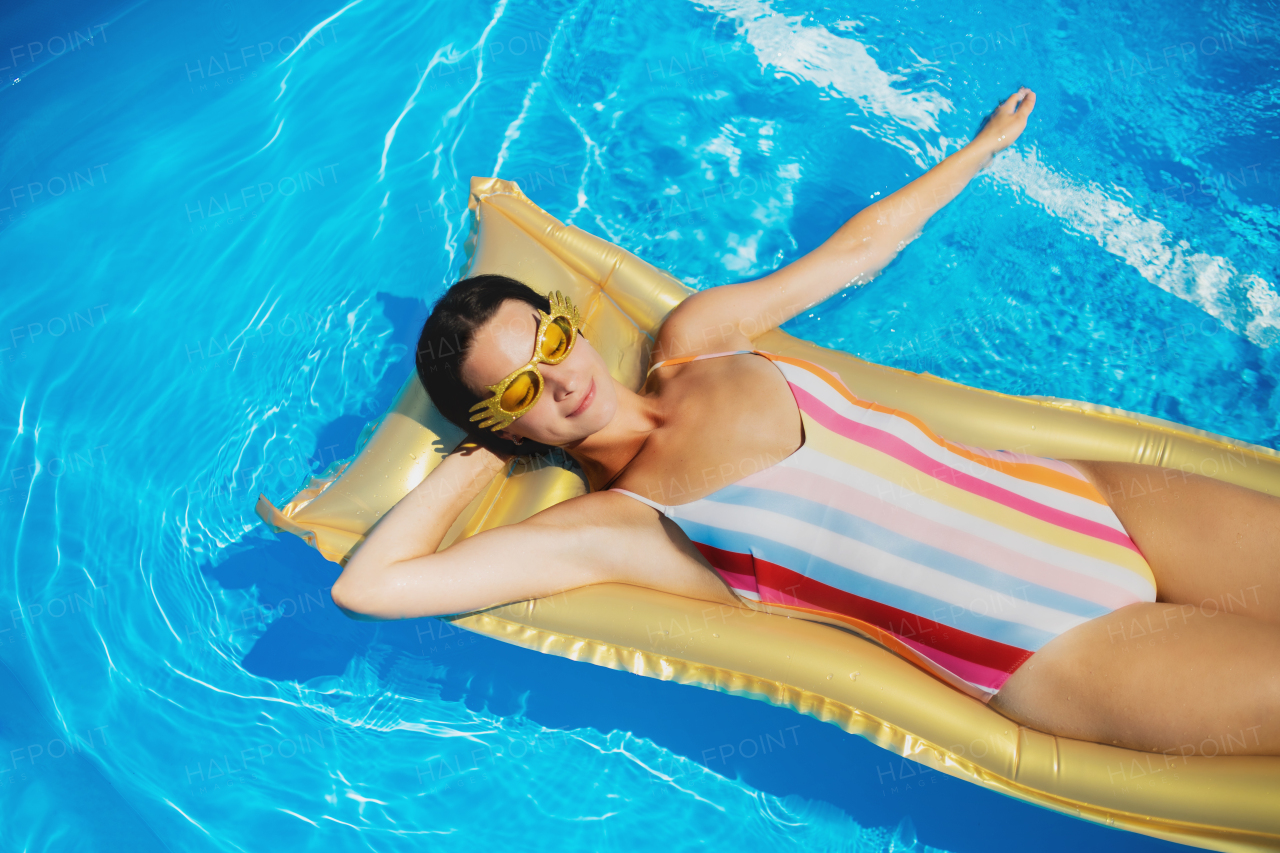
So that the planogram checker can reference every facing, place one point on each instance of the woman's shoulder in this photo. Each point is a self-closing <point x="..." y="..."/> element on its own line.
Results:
<point x="688" y="332"/>
<point x="627" y="541"/>
<point x="605" y="508"/>
<point x="710" y="361"/>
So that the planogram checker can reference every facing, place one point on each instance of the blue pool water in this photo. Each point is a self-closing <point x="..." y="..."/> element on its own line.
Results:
<point x="223" y="224"/>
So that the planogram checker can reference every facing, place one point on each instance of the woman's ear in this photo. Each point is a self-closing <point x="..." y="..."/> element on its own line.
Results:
<point x="510" y="436"/>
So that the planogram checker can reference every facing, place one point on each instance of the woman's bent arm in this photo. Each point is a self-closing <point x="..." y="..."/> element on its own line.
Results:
<point x="729" y="316"/>
<point x="418" y="523"/>
<point x="398" y="573"/>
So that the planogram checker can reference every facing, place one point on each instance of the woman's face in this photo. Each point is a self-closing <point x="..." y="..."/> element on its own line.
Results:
<point x="578" y="397"/>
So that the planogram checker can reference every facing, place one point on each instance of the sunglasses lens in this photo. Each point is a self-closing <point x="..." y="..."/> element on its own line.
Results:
<point x="521" y="392"/>
<point x="555" y="343"/>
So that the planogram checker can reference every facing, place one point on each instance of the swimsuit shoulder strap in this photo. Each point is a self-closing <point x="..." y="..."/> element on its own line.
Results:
<point x="688" y="358"/>
<point x="659" y="507"/>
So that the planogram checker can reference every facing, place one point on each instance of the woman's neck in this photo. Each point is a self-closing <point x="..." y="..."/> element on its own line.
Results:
<point x="604" y="454"/>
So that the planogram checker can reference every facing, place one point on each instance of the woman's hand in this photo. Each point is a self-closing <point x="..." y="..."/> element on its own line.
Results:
<point x="1006" y="124"/>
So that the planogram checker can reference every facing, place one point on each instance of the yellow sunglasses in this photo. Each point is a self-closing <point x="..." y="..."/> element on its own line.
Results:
<point x="522" y="387"/>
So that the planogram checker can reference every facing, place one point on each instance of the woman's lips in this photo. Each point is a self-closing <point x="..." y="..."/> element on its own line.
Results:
<point x="586" y="401"/>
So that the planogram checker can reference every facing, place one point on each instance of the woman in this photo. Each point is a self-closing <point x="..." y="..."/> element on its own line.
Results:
<point x="1088" y="582"/>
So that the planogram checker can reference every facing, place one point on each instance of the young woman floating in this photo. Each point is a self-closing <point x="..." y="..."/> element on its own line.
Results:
<point x="1033" y="584"/>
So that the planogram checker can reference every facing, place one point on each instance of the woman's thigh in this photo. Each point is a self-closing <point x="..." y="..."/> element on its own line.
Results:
<point x="1156" y="677"/>
<point x="1209" y="543"/>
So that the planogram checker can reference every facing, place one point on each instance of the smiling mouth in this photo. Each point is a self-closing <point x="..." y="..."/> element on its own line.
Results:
<point x="586" y="400"/>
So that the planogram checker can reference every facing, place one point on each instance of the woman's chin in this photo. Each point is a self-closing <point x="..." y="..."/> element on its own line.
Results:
<point x="600" y="414"/>
<point x="584" y="426"/>
<point x="569" y="431"/>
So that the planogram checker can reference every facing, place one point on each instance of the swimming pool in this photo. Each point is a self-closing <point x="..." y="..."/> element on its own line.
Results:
<point x="225" y="225"/>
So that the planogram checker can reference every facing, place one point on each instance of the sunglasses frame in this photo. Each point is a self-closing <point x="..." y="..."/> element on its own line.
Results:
<point x="489" y="410"/>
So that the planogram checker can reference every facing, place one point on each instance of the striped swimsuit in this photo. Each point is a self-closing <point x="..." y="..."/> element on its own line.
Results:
<point x="965" y="561"/>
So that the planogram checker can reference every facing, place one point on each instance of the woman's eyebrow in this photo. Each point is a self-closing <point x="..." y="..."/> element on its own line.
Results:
<point x="537" y="320"/>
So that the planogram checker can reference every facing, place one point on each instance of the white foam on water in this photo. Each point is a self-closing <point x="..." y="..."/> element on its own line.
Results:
<point x="1243" y="302"/>
<point x="837" y="64"/>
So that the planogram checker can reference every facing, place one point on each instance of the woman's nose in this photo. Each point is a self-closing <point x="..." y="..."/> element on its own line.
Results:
<point x="561" y="381"/>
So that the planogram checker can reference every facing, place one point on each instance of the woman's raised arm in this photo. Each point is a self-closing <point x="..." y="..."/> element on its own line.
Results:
<point x="729" y="316"/>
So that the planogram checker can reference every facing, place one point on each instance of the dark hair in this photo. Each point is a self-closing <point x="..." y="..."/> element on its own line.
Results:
<point x="447" y="338"/>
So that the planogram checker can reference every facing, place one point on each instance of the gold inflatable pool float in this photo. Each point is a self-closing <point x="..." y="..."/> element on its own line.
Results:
<point x="1227" y="802"/>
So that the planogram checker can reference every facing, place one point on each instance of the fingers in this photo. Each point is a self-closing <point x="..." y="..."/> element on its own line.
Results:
<point x="1013" y="100"/>
<point x="1028" y="104"/>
